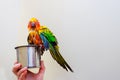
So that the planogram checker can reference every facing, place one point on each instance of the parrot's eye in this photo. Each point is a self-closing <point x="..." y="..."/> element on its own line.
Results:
<point x="33" y="25"/>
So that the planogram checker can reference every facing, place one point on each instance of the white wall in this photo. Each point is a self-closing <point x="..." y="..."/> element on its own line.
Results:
<point x="87" y="31"/>
<point x="9" y="25"/>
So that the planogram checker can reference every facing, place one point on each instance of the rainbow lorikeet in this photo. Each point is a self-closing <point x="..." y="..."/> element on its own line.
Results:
<point x="42" y="36"/>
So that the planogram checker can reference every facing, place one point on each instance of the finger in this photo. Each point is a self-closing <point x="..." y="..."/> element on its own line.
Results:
<point x="21" y="71"/>
<point x="16" y="62"/>
<point x="23" y="76"/>
<point x="42" y="68"/>
<point x="16" y="68"/>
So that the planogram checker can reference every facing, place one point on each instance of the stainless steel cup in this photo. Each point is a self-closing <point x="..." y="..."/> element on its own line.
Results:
<point x="28" y="55"/>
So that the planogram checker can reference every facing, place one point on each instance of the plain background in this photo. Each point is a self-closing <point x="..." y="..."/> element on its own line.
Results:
<point x="88" y="32"/>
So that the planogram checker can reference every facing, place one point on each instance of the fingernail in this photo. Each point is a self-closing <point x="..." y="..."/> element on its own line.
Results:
<point x="18" y="64"/>
<point x="25" y="68"/>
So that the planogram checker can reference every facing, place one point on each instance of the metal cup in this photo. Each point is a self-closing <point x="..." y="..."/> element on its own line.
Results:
<point x="29" y="56"/>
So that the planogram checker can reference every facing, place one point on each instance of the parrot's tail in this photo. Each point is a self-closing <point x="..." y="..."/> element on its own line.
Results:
<point x="58" y="57"/>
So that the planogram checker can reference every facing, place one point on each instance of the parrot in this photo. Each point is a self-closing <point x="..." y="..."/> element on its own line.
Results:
<point x="42" y="36"/>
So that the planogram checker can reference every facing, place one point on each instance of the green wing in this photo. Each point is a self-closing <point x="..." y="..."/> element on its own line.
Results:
<point x="51" y="44"/>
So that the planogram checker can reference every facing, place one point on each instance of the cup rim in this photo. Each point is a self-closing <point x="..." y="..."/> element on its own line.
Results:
<point x="26" y="46"/>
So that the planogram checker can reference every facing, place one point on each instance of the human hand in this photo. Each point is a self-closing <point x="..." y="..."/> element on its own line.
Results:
<point x="24" y="74"/>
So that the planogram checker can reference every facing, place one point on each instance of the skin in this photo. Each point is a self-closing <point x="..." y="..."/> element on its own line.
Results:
<point x="24" y="74"/>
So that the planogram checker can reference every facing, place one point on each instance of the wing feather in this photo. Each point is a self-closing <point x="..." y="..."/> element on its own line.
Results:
<point x="50" y="40"/>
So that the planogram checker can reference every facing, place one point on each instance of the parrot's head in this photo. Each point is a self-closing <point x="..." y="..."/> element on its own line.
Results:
<point x="33" y="24"/>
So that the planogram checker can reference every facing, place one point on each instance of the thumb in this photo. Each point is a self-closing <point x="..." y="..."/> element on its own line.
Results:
<point x="42" y="68"/>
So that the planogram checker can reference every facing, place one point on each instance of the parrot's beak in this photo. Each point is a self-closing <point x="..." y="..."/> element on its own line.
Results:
<point x="33" y="25"/>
